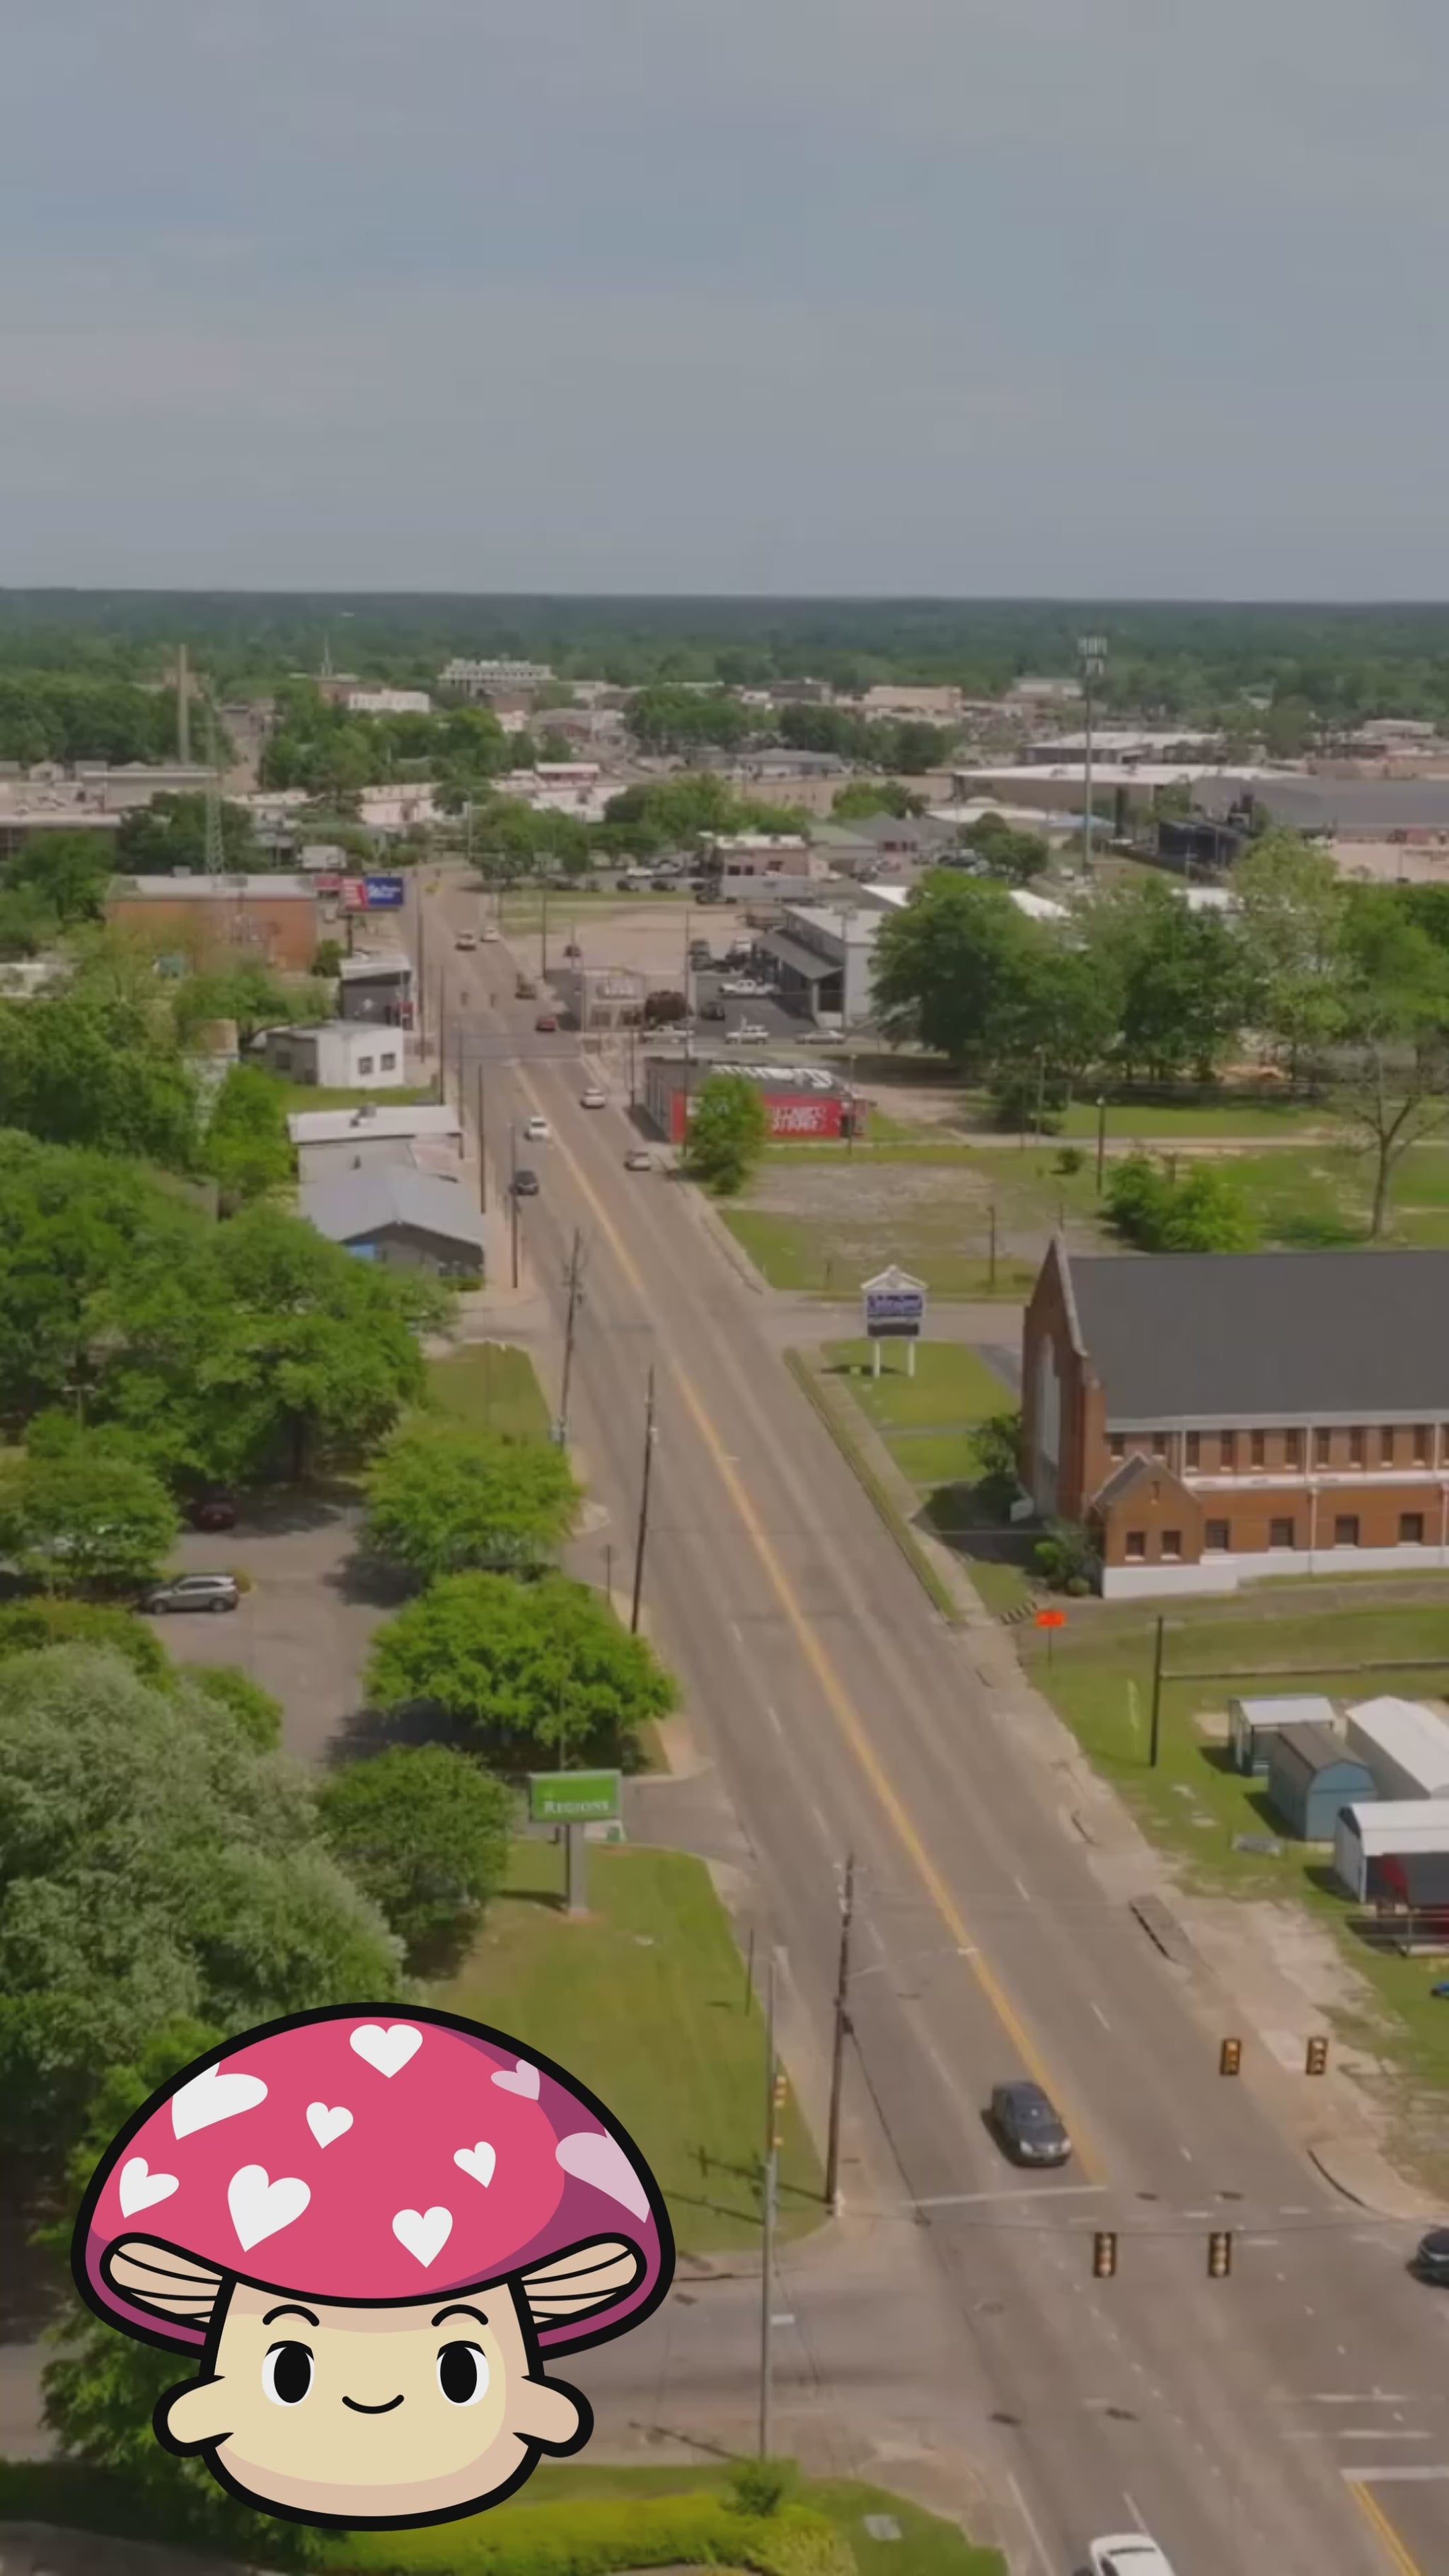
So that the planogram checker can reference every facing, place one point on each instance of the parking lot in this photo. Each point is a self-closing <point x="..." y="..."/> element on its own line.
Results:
<point x="654" y="939"/>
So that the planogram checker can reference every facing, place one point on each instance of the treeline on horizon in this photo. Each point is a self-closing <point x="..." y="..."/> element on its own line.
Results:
<point x="1177" y="659"/>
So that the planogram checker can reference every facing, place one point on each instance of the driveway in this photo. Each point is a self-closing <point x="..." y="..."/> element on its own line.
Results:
<point x="303" y="1630"/>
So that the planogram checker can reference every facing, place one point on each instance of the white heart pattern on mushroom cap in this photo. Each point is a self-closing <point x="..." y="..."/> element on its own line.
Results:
<point x="591" y="2156"/>
<point x="141" y="2189"/>
<point x="423" y="2231"/>
<point x="388" y="2050"/>
<point x="326" y="2125"/>
<point x="259" y="2207"/>
<point x="213" y="2095"/>
<point x="523" y="2079"/>
<point x="478" y="2161"/>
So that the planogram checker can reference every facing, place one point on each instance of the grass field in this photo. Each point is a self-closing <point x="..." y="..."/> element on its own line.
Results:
<point x="1194" y="1803"/>
<point x="646" y="2001"/>
<point x="926" y="1423"/>
<point x="822" y="1260"/>
<point x="491" y="1386"/>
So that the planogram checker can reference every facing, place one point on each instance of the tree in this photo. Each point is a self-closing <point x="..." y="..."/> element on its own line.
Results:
<point x="85" y="1519"/>
<point x="1293" y="909"/>
<point x="79" y="1070"/>
<point x="256" y="1712"/>
<point x="26" y="1627"/>
<point x="1395" y="1082"/>
<point x="154" y="1867"/>
<point x="1008" y="853"/>
<point x="1183" y="980"/>
<point x="952" y="967"/>
<point x="328" y="960"/>
<point x="170" y="833"/>
<point x="530" y="1666"/>
<point x="253" y="996"/>
<point x="1203" y="1212"/>
<point x="73" y="1225"/>
<point x="728" y="1132"/>
<point x="866" y="796"/>
<point x="423" y="1831"/>
<point x="67" y="872"/>
<point x="442" y="1499"/>
<point x="247" y="1147"/>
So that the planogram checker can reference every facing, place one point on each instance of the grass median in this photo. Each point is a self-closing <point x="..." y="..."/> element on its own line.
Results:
<point x="647" y="2000"/>
<point x="491" y="1386"/>
<point x="926" y="1420"/>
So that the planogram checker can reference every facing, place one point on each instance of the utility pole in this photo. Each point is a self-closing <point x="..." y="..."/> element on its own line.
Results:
<point x="642" y="1532"/>
<point x="1156" y="1733"/>
<point x="1101" y="1139"/>
<point x="183" y="708"/>
<point x="771" y="2188"/>
<point x="458" y="1060"/>
<point x="215" y="845"/>
<point x="482" y="1148"/>
<point x="842" y="2033"/>
<point x="575" y="1287"/>
<point x="1093" y="652"/>
<point x="543" y="938"/>
<point x="513" y="1193"/>
<point x="421" y="1013"/>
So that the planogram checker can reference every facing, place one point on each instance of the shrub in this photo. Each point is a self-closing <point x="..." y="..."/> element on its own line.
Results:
<point x="1070" y="1160"/>
<point x="27" y="1626"/>
<point x="1066" y="1558"/>
<point x="760" y="2486"/>
<point x="256" y="1712"/>
<point x="1022" y="1104"/>
<point x="1136" y="1197"/>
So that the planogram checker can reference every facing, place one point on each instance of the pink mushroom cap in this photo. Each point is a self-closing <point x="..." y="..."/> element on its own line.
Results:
<point x="376" y="2156"/>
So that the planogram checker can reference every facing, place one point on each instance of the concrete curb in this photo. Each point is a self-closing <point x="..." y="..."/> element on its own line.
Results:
<point x="1361" y="2175"/>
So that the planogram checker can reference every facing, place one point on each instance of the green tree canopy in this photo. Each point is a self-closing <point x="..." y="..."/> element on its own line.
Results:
<point x="79" y="1068"/>
<point x="952" y="967"/>
<point x="255" y="1711"/>
<point x="66" y="872"/>
<point x="443" y="1499"/>
<point x="866" y="796"/>
<point x="423" y="1831"/>
<point x="531" y="1667"/>
<point x="247" y="1147"/>
<point x="1013" y="855"/>
<point x="728" y="1132"/>
<point x="85" y="1520"/>
<point x="170" y="833"/>
<point x="154" y="1866"/>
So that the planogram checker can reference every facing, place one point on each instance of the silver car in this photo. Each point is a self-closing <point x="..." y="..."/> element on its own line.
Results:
<point x="194" y="1592"/>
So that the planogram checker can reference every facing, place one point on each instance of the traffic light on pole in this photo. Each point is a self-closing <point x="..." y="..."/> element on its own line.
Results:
<point x="1104" y="2254"/>
<point x="1220" y="2254"/>
<point x="778" y="2136"/>
<point x="1316" y="2062"/>
<point x="1230" y="2057"/>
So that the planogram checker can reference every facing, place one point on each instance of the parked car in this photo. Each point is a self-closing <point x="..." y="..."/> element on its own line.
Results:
<point x="712" y="1009"/>
<point x="1029" y="2125"/>
<point x="1431" y="2261"/>
<point x="194" y="1592"/>
<point x="638" y="1159"/>
<point x="746" y="1033"/>
<point x="525" y="989"/>
<point x="593" y="1098"/>
<point x="525" y="1182"/>
<point x="572" y="949"/>
<point x="489" y="934"/>
<point x="212" y="1512"/>
<point x="1128" y="2553"/>
<point x="465" y="939"/>
<point x="537" y="1130"/>
<point x="546" y="1024"/>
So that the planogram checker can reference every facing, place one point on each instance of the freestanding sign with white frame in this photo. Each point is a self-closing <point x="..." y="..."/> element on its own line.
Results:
<point x="894" y="1307"/>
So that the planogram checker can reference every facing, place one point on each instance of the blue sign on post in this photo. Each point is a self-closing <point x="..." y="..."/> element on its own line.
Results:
<point x="895" y="1306"/>
<point x="383" y="894"/>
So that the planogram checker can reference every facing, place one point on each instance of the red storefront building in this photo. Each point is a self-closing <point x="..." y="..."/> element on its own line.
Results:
<point x="804" y="1100"/>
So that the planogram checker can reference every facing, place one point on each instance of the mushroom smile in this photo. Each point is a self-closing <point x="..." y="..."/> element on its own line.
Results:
<point x="358" y="2408"/>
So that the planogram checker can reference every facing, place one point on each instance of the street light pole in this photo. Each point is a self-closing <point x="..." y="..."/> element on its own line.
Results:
<point x="842" y="2032"/>
<point x="643" y="1529"/>
<point x="575" y="1288"/>
<point x="482" y="1149"/>
<point x="770" y="2187"/>
<point x="1093" y="652"/>
<point x="513" y="1193"/>
<point x="543" y="938"/>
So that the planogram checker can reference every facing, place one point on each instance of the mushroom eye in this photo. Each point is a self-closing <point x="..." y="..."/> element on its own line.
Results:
<point x="463" y="2373"/>
<point x="287" y="2373"/>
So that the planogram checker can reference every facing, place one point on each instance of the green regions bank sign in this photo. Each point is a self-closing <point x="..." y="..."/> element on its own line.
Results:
<point x="573" y="1797"/>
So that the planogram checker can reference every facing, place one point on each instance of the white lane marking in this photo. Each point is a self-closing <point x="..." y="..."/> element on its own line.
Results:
<point x="1023" y="1892"/>
<point x="1029" y="2191"/>
<point x="1358" y="2475"/>
<point x="1134" y="2509"/>
<point x="1186" y="2153"/>
<point x="1038" y="2544"/>
<point x="1376" y="2433"/>
<point x="1293" y="2209"/>
<point x="1101" y="2016"/>
<point x="1340" y="2397"/>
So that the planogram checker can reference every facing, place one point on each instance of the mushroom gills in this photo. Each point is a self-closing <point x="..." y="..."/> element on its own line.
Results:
<point x="163" y="2279"/>
<point x="587" y="2276"/>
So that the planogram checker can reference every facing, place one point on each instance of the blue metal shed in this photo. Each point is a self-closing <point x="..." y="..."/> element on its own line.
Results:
<point x="1310" y="1776"/>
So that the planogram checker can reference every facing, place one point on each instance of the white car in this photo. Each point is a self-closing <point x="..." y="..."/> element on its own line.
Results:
<point x="749" y="1033"/>
<point x="465" y="939"/>
<point x="1128" y="2553"/>
<point x="538" y="1131"/>
<point x="593" y="1098"/>
<point x="486" y="935"/>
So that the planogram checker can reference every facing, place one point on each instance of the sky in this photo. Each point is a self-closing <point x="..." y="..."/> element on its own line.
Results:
<point x="1108" y="298"/>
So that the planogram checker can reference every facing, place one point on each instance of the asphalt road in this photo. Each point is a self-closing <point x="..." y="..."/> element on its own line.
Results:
<point x="1292" y="2418"/>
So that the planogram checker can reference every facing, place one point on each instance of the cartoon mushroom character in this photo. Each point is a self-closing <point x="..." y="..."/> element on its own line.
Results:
<point x="368" y="2232"/>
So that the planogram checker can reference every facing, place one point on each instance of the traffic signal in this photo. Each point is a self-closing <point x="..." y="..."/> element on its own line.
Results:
<point x="778" y="2112"/>
<point x="1317" y="2057"/>
<point x="1220" y="2254"/>
<point x="1230" y="2057"/>
<point x="1104" y="2254"/>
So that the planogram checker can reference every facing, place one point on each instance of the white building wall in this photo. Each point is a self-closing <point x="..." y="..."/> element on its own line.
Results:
<point x="1226" y="1573"/>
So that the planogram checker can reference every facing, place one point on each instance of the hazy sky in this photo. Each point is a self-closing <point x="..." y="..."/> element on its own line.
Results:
<point x="1072" y="296"/>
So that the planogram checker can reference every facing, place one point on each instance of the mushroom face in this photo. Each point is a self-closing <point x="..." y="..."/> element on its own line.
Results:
<point x="366" y="2231"/>
<point x="410" y="2413"/>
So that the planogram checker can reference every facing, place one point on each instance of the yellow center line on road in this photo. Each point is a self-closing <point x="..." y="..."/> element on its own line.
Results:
<point x="847" y="1717"/>
<point x="1399" y="2558"/>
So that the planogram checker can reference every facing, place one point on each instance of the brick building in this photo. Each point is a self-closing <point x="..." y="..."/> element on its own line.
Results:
<point x="274" y="919"/>
<point x="1214" y="1417"/>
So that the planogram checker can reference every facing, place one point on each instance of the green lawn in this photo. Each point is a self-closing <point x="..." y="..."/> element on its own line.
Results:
<point x="1230" y="1115"/>
<point x="647" y="2002"/>
<point x="926" y="1423"/>
<point x="491" y="1386"/>
<point x="1100" y="1678"/>
<point x="798" y="1253"/>
<point x="321" y="1095"/>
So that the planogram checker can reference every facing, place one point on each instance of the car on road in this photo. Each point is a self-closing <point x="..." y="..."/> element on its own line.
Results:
<point x="194" y="1592"/>
<point x="465" y="939"/>
<point x="638" y="1159"/>
<point x="537" y="1129"/>
<point x="546" y="1024"/>
<point x="1127" y="2553"/>
<point x="1431" y="2259"/>
<point x="593" y="1098"/>
<point x="525" y="989"/>
<point x="572" y="948"/>
<point x="746" y="1033"/>
<point x="212" y="1512"/>
<point x="489" y="935"/>
<point x="1029" y="2125"/>
<point x="743" y="987"/>
<point x="525" y="1182"/>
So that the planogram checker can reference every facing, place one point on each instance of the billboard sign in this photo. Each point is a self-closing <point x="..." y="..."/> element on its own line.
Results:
<point x="354" y="894"/>
<point x="894" y="1304"/>
<point x="383" y="894"/>
<point x="573" y="1797"/>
